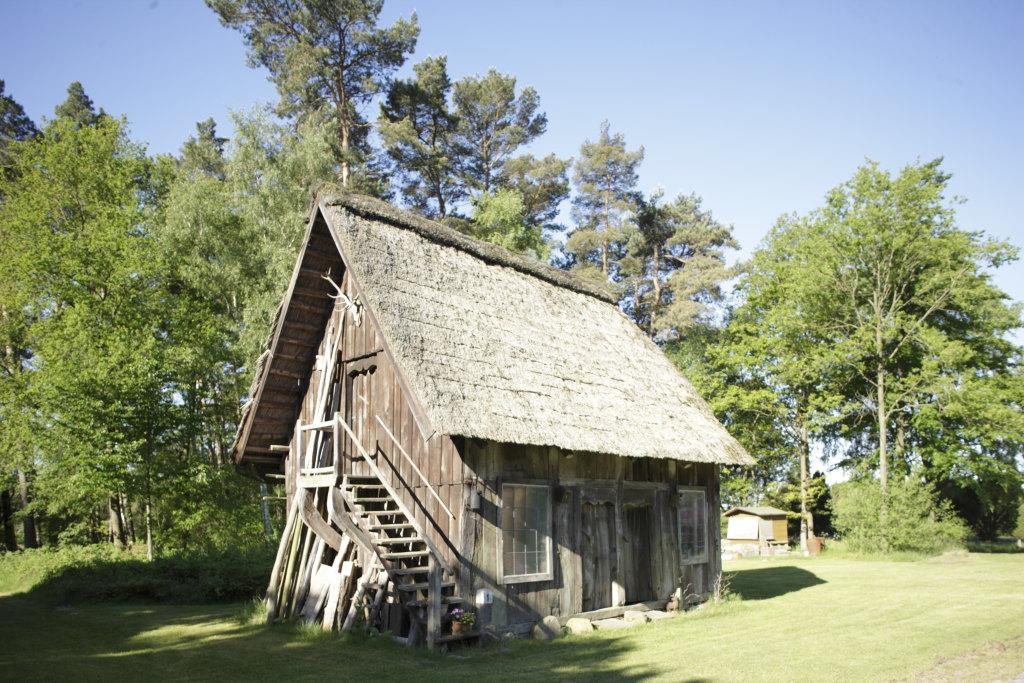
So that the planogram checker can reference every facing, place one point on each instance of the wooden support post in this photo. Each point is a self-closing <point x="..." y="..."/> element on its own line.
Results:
<point x="434" y="603"/>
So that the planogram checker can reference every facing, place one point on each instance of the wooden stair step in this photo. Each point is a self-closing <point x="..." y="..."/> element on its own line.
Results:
<point x="445" y="599"/>
<point x="371" y="500"/>
<point x="422" y="586"/>
<point x="406" y="555"/>
<point x="410" y="571"/>
<point x="399" y="540"/>
<point x="385" y="527"/>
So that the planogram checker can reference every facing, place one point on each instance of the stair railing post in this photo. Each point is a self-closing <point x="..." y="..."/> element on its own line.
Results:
<point x="434" y="602"/>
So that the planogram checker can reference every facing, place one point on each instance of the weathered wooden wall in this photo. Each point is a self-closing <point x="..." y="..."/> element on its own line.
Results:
<point x="601" y="504"/>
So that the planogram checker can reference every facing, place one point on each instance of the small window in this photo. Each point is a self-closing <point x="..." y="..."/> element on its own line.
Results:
<point x="525" y="533"/>
<point x="693" y="527"/>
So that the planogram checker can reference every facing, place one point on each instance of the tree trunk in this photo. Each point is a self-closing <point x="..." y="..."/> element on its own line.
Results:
<point x="128" y="520"/>
<point x="655" y="288"/>
<point x="149" y="531"/>
<point x="900" y="455"/>
<point x="29" y="537"/>
<point x="805" y="525"/>
<point x="10" y="539"/>
<point x="344" y="125"/>
<point x="117" y="534"/>
<point x="883" y="453"/>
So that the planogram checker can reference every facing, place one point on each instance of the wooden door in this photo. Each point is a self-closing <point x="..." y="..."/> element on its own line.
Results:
<point x="358" y="414"/>
<point x="639" y="563"/>
<point x="597" y="553"/>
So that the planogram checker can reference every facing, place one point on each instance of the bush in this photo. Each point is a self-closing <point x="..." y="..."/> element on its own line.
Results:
<point x="100" y="573"/>
<point x="915" y="521"/>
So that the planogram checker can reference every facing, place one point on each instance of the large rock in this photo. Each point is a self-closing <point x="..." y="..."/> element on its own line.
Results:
<point x="579" y="626"/>
<point x="611" y="624"/>
<point x="635" y="616"/>
<point x="547" y="628"/>
<point x="656" y="614"/>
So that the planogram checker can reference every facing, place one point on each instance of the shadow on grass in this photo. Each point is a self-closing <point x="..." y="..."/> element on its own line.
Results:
<point x="999" y="546"/>
<point x="108" y="641"/>
<point x="771" y="582"/>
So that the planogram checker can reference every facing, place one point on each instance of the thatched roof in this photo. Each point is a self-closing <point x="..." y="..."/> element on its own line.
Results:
<point x="499" y="346"/>
<point x="757" y="511"/>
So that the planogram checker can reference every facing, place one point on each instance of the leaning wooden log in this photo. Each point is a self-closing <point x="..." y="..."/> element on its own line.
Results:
<point x="284" y="591"/>
<point x="369" y="573"/>
<point x="308" y="538"/>
<point x="270" y="599"/>
<point x="314" y="561"/>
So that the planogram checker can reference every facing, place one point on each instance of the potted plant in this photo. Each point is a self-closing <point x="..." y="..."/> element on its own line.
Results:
<point x="462" y="620"/>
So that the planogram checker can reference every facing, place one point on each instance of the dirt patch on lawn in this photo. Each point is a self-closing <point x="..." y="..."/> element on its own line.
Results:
<point x="998" y="660"/>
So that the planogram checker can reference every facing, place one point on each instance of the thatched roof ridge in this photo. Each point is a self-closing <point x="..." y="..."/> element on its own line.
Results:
<point x="369" y="207"/>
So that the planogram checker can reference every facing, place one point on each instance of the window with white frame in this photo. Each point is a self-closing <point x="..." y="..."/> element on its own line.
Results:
<point x="525" y="532"/>
<point x="693" y="526"/>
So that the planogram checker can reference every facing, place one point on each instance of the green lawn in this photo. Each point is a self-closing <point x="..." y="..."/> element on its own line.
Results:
<point x="954" y="617"/>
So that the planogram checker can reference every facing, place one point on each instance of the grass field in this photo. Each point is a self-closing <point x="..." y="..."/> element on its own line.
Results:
<point x="954" y="617"/>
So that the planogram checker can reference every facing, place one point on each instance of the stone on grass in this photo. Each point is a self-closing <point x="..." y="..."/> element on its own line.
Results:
<point x="602" y="624"/>
<point x="635" y="616"/>
<point x="579" y="626"/>
<point x="547" y="628"/>
<point x="656" y="614"/>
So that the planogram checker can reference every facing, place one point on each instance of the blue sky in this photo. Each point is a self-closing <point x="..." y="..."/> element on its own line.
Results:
<point x="759" y="107"/>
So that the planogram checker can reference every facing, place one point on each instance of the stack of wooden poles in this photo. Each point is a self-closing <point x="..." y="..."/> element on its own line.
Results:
<point x="321" y="574"/>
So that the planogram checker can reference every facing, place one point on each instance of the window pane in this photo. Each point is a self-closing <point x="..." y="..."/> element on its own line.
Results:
<point x="692" y="525"/>
<point x="525" y="527"/>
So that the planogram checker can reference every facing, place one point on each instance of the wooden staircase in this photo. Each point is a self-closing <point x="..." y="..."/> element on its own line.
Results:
<point x="370" y="513"/>
<point x="418" y="574"/>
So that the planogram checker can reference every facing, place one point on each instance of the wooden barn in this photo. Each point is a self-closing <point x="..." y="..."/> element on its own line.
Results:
<point x="460" y="426"/>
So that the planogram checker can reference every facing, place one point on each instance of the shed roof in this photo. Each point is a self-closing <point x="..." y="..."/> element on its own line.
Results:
<point x="757" y="511"/>
<point x="499" y="346"/>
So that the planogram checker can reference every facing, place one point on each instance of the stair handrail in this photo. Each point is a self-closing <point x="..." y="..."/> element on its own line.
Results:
<point x="414" y="467"/>
<point x="394" y="495"/>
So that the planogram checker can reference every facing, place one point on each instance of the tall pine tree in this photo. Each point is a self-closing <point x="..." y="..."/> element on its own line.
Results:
<point x="605" y="204"/>
<point x="321" y="52"/>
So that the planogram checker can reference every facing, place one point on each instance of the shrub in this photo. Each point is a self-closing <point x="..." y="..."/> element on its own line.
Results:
<point x="915" y="520"/>
<point x="98" y="572"/>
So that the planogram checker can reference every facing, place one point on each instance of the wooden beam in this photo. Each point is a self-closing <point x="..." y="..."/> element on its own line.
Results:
<point x="286" y="373"/>
<point x="311" y="517"/>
